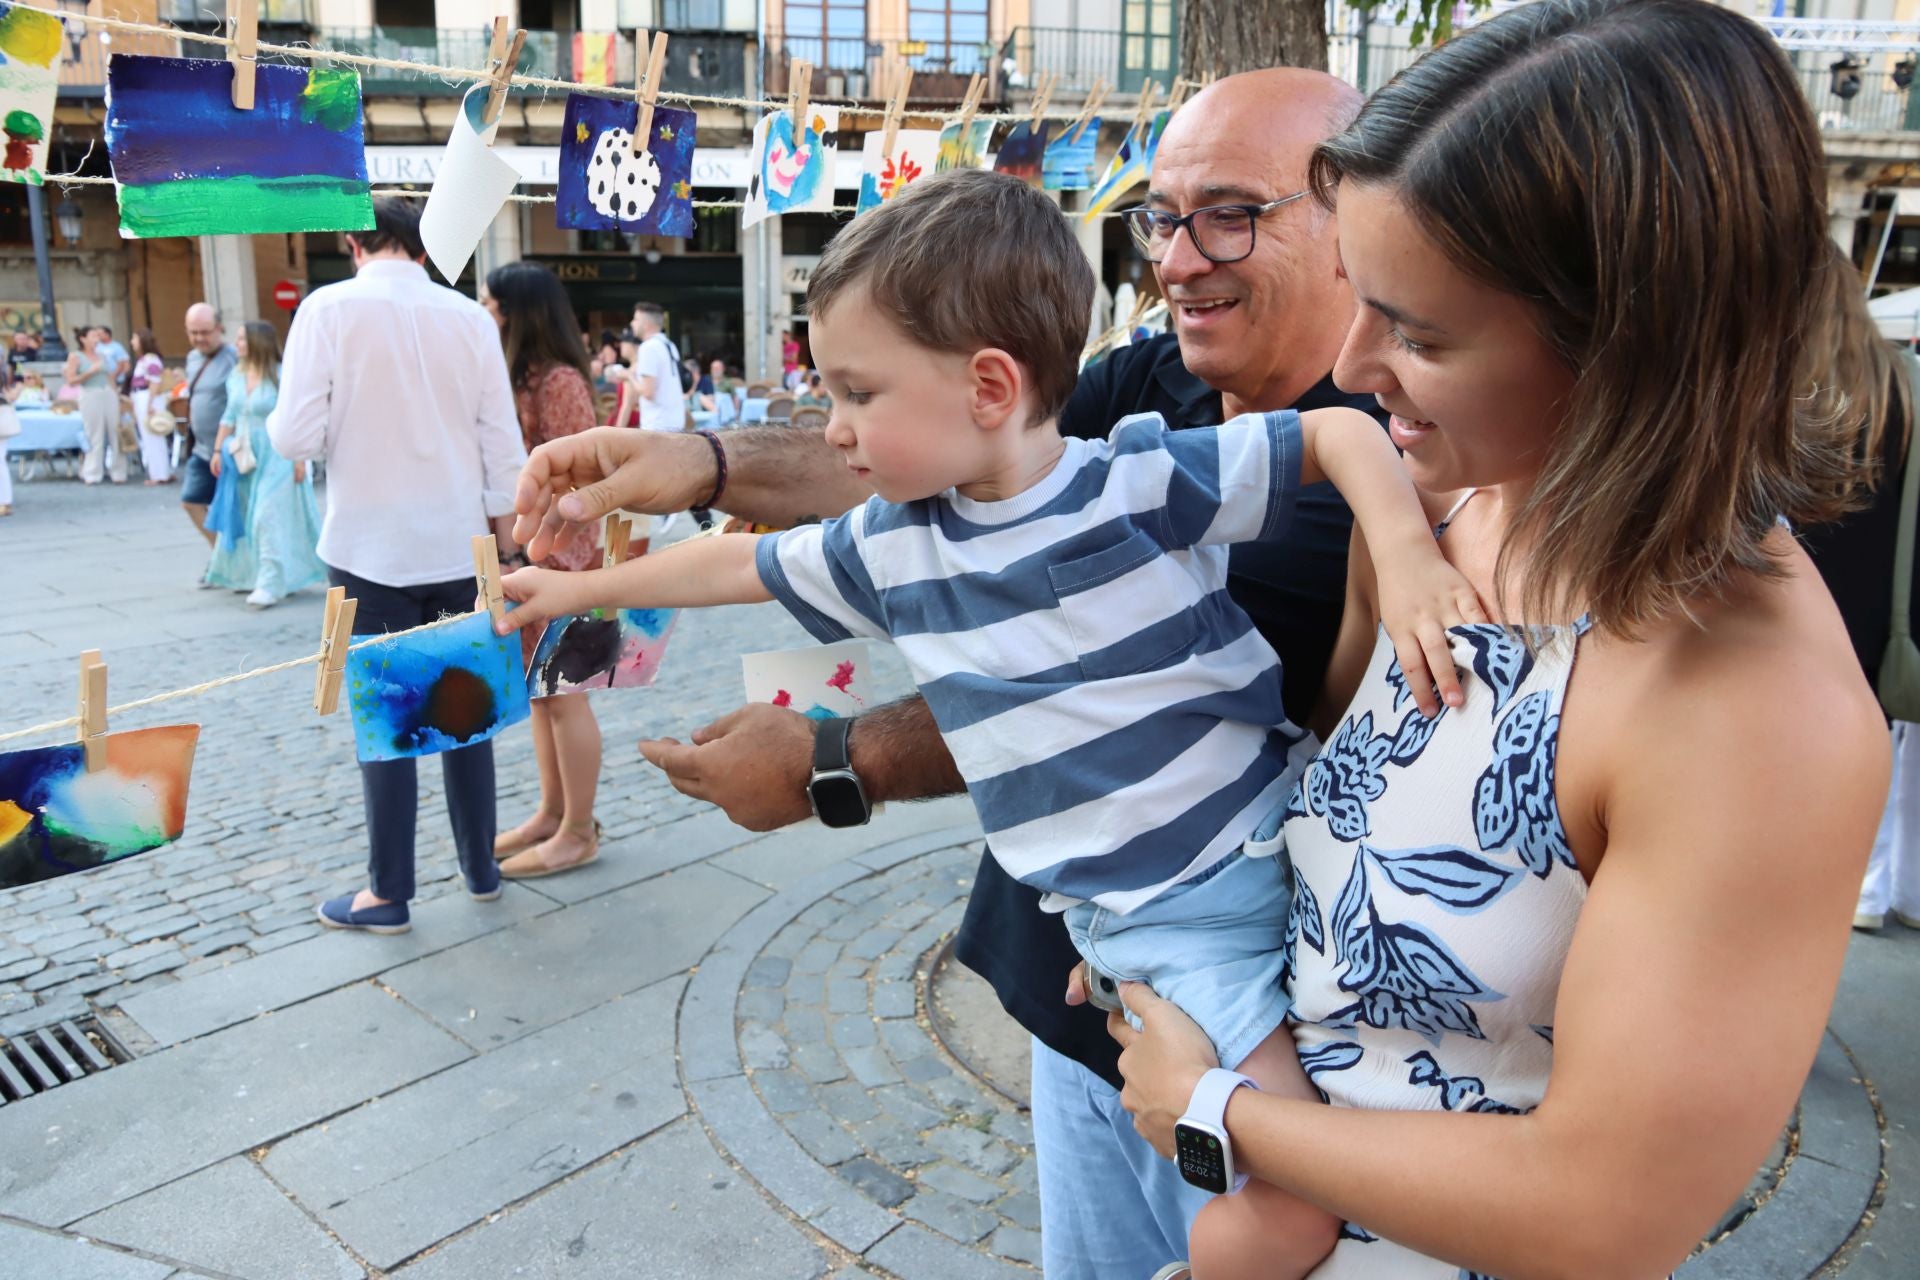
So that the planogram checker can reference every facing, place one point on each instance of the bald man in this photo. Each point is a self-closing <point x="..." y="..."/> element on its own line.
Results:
<point x="1259" y="313"/>
<point x="209" y="361"/>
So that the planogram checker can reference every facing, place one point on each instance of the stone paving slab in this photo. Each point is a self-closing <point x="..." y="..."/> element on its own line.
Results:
<point x="668" y="1208"/>
<point x="46" y="1255"/>
<point x="91" y="1144"/>
<point x="512" y="983"/>
<point x="429" y="1160"/>
<point x="229" y="1218"/>
<point x="809" y="847"/>
<point x="247" y="988"/>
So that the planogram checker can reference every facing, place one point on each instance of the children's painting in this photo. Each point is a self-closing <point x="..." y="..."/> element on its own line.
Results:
<point x="1024" y="151"/>
<point x="882" y="177"/>
<point x="791" y="173"/>
<point x="434" y="690"/>
<point x="1130" y="166"/>
<point x="189" y="163"/>
<point x="469" y="188"/>
<point x="57" y="818"/>
<point x="1068" y="165"/>
<point x="30" y="45"/>
<point x="605" y="649"/>
<point x="821" y="682"/>
<point x="964" y="148"/>
<point x="604" y="186"/>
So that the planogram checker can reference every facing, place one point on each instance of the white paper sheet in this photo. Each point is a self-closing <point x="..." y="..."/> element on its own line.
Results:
<point x="471" y="186"/>
<point x="823" y="681"/>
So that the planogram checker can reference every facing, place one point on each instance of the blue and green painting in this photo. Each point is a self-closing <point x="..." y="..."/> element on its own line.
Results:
<point x="189" y="163"/>
<point x="604" y="649"/>
<point x="429" y="691"/>
<point x="58" y="817"/>
<point x="1068" y="164"/>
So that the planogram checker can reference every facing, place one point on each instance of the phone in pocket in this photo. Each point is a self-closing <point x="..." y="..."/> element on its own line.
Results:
<point x="1103" y="989"/>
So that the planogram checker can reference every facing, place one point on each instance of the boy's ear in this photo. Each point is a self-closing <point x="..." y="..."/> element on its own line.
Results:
<point x="999" y="384"/>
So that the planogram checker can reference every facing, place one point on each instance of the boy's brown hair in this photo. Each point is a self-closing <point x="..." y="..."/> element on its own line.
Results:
<point x="969" y="260"/>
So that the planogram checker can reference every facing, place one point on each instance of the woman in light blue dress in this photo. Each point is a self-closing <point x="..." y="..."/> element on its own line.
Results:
<point x="266" y="521"/>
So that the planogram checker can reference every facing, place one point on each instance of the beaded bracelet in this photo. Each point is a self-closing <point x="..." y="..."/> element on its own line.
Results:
<point x="720" y="470"/>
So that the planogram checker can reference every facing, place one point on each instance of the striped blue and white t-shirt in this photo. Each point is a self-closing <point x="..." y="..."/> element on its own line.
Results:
<point x="1116" y="716"/>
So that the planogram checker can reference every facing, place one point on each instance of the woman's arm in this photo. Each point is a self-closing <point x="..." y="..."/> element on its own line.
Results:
<point x="1690" y="1005"/>
<point x="1353" y="646"/>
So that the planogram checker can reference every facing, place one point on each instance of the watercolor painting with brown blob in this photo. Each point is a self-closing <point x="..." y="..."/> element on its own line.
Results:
<point x="424" y="692"/>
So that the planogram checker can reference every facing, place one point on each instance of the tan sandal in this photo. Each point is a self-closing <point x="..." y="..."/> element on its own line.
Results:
<point x="508" y="843"/>
<point x="536" y="869"/>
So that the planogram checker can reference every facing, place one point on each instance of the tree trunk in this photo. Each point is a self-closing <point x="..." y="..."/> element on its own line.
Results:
<point x="1223" y="37"/>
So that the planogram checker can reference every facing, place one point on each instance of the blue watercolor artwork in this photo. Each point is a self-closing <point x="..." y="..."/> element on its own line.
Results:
<point x="1024" y="152"/>
<point x="434" y="690"/>
<point x="189" y="163"/>
<point x="1069" y="165"/>
<point x="604" y="186"/>
<point x="789" y="173"/>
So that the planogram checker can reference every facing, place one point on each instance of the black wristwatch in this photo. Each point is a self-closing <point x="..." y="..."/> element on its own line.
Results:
<point x="834" y="790"/>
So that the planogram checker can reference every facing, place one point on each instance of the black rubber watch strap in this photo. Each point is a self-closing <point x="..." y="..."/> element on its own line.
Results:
<point x="830" y="746"/>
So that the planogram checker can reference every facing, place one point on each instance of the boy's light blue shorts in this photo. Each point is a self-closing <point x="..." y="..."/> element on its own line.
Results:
<point x="1211" y="945"/>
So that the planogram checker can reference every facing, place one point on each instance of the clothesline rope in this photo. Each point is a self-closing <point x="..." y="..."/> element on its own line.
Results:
<point x="310" y="54"/>
<point x="195" y="691"/>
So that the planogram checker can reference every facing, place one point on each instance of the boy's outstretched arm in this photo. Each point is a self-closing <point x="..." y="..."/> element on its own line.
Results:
<point x="700" y="571"/>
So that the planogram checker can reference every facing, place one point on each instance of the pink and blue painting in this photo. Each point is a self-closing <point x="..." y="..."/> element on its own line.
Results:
<point x="56" y="818"/>
<point x="1069" y="164"/>
<point x="189" y="163"/>
<point x="429" y="691"/>
<point x="791" y="171"/>
<point x="605" y="649"/>
<point x="820" y="683"/>
<point x="604" y="186"/>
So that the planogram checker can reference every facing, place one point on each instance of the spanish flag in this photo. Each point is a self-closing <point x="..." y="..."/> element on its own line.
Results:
<point x="593" y="57"/>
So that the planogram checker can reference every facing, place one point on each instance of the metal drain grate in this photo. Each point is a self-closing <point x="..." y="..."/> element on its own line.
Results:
<point x="52" y="1056"/>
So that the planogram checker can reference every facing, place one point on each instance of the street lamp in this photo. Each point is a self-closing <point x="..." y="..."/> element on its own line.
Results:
<point x="1846" y="78"/>
<point x="67" y="216"/>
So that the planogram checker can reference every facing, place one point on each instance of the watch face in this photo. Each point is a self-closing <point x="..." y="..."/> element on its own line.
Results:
<point x="838" y="800"/>
<point x="1203" y="1161"/>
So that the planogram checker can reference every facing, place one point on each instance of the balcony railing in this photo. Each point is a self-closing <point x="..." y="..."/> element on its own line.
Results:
<point x="1123" y="61"/>
<point x="465" y="48"/>
<point x="852" y="68"/>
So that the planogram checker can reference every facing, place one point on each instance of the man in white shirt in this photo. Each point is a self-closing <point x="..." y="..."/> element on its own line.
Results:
<point x="400" y="384"/>
<point x="656" y="372"/>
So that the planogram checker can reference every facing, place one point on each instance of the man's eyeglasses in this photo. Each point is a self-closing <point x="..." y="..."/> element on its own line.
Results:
<point x="1221" y="232"/>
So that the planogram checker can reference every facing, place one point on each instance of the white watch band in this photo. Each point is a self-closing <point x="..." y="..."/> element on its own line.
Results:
<point x="1208" y="1106"/>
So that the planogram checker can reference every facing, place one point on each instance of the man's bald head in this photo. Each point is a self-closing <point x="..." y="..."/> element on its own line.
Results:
<point x="203" y="328"/>
<point x="1265" y="324"/>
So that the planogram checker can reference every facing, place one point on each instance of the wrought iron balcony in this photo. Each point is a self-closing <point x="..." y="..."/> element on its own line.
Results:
<point x="850" y="68"/>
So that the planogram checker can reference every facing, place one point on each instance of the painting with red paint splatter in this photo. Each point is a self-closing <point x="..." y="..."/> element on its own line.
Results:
<point x="821" y="682"/>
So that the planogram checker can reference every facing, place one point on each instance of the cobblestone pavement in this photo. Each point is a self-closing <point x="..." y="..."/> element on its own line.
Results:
<point x="711" y="1054"/>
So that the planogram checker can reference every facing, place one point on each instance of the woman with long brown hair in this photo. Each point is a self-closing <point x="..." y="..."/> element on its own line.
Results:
<point x="264" y="513"/>
<point x="553" y="391"/>
<point x="1560" y="957"/>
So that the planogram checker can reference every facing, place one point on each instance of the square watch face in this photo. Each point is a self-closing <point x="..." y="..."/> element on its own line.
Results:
<point x="1202" y="1161"/>
<point x="837" y="801"/>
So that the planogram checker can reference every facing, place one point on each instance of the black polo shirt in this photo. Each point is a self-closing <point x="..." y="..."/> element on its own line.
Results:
<point x="1293" y="589"/>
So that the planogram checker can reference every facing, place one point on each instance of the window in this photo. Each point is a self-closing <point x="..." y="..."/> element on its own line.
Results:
<point x="828" y="33"/>
<point x="953" y="30"/>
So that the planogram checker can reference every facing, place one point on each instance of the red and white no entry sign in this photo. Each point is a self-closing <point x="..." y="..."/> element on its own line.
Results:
<point x="286" y="295"/>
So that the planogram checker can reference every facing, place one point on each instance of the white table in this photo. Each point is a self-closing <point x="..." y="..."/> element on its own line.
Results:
<point x="45" y="436"/>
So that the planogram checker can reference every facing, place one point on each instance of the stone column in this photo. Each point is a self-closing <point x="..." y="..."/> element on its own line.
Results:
<point x="500" y="245"/>
<point x="228" y="279"/>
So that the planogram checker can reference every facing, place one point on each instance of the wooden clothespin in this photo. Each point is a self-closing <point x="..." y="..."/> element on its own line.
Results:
<point x="486" y="574"/>
<point x="1144" y="112"/>
<point x="970" y="104"/>
<point x="503" y="55"/>
<point x="93" y="709"/>
<point x="799" y="88"/>
<point x="616" y="537"/>
<point x="1087" y="109"/>
<point x="1177" y="95"/>
<point x="336" y="636"/>
<point x="244" y="17"/>
<point x="896" y="106"/>
<point x="1042" y="93"/>
<point x="646" y="93"/>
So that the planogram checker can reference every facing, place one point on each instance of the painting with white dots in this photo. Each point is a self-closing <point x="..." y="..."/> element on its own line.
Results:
<point x="605" y="186"/>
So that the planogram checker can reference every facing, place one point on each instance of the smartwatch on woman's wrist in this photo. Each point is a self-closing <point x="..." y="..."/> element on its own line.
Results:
<point x="1200" y="1144"/>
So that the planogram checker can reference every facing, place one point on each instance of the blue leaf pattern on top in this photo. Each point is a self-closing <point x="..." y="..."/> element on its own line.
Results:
<point x="1303" y="921"/>
<point x="1402" y="975"/>
<point x="1513" y="802"/>
<point x="1335" y="1055"/>
<point x="1346" y="775"/>
<point x="1412" y="737"/>
<point x="1457" y="1093"/>
<point x="1458" y="880"/>
<point x="1500" y="659"/>
<point x="1350" y="1232"/>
